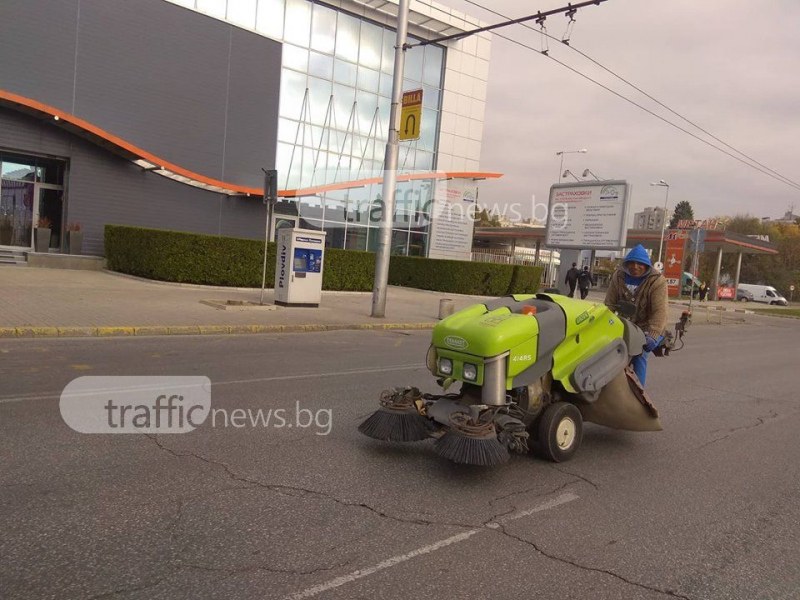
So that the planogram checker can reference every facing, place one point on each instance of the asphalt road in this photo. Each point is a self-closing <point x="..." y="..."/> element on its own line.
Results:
<point x="708" y="508"/>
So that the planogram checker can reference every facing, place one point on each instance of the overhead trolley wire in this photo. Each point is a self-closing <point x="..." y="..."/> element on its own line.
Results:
<point x="753" y="164"/>
<point x="641" y="91"/>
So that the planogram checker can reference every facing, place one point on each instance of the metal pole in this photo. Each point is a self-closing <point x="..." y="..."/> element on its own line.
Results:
<point x="390" y="169"/>
<point x="267" y="232"/>
<point x="561" y="167"/>
<point x="738" y="273"/>
<point x="663" y="225"/>
<point x="695" y="261"/>
<point x="715" y="281"/>
<point x="270" y="180"/>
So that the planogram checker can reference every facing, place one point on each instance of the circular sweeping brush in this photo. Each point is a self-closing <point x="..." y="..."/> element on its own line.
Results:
<point x="397" y="420"/>
<point x="470" y="443"/>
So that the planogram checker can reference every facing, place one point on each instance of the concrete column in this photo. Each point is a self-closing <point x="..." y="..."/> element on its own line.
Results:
<point x="715" y="279"/>
<point x="738" y="272"/>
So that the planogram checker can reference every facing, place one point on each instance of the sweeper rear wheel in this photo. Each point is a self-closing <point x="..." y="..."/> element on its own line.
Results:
<point x="560" y="430"/>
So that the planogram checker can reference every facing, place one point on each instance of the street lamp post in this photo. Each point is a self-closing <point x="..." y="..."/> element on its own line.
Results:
<point x="662" y="183"/>
<point x="382" y="256"/>
<point x="561" y="153"/>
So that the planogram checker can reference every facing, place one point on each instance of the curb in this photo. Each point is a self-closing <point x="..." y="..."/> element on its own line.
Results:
<point x="151" y="330"/>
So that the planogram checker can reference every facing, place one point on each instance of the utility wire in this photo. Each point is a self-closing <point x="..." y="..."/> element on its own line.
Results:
<point x="641" y="91"/>
<point x="647" y="110"/>
<point x="760" y="167"/>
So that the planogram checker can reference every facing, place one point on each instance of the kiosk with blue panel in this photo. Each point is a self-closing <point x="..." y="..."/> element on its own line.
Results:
<point x="298" y="267"/>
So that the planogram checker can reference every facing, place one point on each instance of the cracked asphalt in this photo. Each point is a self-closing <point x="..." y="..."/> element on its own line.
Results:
<point x="705" y="509"/>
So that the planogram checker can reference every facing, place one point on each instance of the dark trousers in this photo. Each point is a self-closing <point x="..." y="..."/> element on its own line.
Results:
<point x="584" y="293"/>
<point x="572" y="288"/>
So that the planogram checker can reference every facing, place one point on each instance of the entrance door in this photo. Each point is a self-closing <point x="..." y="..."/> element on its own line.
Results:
<point x="17" y="209"/>
<point x="30" y="188"/>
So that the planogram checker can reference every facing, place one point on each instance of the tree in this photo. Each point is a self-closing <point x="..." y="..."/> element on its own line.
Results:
<point x="683" y="211"/>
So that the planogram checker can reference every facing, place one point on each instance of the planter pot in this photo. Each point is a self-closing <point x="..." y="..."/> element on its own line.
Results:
<point x="74" y="242"/>
<point x="41" y="239"/>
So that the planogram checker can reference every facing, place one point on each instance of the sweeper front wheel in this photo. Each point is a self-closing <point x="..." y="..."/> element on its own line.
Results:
<point x="560" y="430"/>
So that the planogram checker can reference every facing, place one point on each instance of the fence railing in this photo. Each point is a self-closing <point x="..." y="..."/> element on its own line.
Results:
<point x="506" y="258"/>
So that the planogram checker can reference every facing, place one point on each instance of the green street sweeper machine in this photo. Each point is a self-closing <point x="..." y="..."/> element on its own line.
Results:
<point x="532" y="369"/>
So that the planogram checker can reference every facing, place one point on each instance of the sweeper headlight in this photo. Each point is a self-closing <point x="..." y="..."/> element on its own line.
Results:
<point x="445" y="366"/>
<point x="470" y="372"/>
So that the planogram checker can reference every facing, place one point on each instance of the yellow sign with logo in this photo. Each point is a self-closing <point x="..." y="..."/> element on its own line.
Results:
<point x="411" y="115"/>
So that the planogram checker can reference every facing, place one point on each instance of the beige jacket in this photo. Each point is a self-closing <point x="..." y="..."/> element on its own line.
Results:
<point x="650" y="300"/>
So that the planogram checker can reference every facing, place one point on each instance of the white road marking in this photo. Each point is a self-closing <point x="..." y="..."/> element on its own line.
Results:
<point x="391" y="562"/>
<point x="562" y="499"/>
<point x="413" y="367"/>
<point x="396" y="560"/>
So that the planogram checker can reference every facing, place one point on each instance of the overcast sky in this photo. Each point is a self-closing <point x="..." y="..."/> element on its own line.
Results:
<point x="731" y="66"/>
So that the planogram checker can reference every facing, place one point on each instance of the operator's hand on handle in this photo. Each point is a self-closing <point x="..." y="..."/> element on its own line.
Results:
<point x="652" y="343"/>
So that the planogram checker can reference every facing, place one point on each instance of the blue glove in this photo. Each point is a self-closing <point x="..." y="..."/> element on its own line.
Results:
<point x="652" y="343"/>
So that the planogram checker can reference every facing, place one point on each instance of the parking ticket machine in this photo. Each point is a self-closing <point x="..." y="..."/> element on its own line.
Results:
<point x="298" y="267"/>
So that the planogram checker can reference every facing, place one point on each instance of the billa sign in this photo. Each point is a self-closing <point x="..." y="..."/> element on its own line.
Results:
<point x="410" y="115"/>
<point x="673" y="260"/>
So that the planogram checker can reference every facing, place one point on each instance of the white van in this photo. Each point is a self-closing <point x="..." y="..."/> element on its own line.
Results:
<point x="760" y="293"/>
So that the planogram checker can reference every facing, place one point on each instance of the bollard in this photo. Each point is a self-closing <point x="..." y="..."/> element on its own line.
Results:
<point x="446" y="308"/>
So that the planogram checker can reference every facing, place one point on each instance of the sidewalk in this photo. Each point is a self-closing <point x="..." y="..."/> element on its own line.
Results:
<point x="64" y="303"/>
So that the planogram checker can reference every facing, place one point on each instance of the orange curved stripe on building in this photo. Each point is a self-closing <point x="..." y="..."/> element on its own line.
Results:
<point x="136" y="153"/>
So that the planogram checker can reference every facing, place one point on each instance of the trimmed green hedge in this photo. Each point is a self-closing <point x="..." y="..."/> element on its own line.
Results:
<point x="455" y="276"/>
<point x="213" y="260"/>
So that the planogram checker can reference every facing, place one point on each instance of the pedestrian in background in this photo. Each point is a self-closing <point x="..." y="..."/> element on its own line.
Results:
<point x="703" y="291"/>
<point x="572" y="279"/>
<point x="584" y="282"/>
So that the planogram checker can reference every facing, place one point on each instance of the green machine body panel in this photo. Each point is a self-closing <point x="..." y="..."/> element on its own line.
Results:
<point x="563" y="330"/>
<point x="590" y="328"/>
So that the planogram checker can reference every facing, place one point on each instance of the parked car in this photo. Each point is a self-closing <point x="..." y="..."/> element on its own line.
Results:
<point x="759" y="293"/>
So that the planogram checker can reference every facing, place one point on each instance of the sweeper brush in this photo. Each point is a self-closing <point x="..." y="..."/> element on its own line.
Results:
<point x="471" y="443"/>
<point x="531" y="369"/>
<point x="397" y="420"/>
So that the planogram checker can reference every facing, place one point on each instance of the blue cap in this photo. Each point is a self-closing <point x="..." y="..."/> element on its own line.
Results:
<point x="639" y="255"/>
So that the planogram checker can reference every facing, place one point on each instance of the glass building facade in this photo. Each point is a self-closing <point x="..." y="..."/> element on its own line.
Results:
<point x="336" y="86"/>
<point x="336" y="83"/>
<point x="335" y="96"/>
